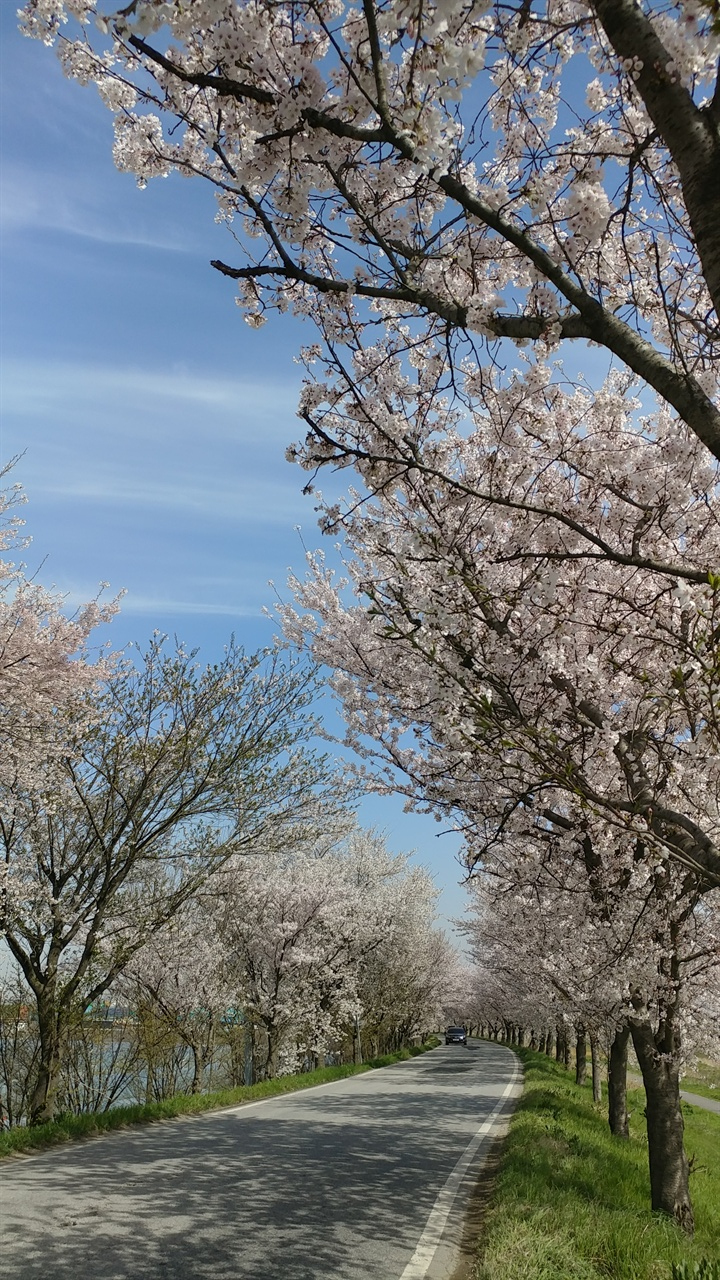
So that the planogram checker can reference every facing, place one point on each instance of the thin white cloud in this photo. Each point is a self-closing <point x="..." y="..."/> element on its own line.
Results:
<point x="134" y="602"/>
<point x="42" y="201"/>
<point x="155" y="605"/>
<point x="145" y="440"/>
<point x="255" y="501"/>
<point x="32" y="387"/>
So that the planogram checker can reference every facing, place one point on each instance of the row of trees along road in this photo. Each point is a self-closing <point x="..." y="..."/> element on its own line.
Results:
<point x="325" y="944"/>
<point x="125" y="783"/>
<point x="554" y="966"/>
<point x="281" y="960"/>
<point x="535" y="554"/>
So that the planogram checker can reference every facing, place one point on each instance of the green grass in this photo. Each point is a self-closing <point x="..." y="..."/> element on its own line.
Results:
<point x="704" y="1080"/>
<point x="71" y="1128"/>
<point x="573" y="1203"/>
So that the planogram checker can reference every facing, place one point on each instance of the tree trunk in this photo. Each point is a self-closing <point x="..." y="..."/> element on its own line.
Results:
<point x="617" y="1083"/>
<point x="237" y="1055"/>
<point x="50" y="1027"/>
<point x="669" y="1172"/>
<point x="580" y="1055"/>
<point x="559" y="1043"/>
<point x="595" y="1059"/>
<point x="198" y="1065"/>
<point x="357" y="1042"/>
<point x="549" y="1044"/>
<point x="567" y="1052"/>
<point x="273" y="1054"/>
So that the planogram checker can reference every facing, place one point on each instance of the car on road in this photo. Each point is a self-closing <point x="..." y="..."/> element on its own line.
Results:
<point x="456" y="1035"/>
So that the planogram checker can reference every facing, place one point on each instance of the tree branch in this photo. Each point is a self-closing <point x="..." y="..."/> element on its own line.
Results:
<point x="690" y="134"/>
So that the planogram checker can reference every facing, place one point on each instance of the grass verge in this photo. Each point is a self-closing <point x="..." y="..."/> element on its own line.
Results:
<point x="572" y="1203"/>
<point x="71" y="1128"/>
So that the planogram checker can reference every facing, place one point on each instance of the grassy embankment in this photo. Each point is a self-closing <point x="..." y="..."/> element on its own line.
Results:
<point x="572" y="1203"/>
<point x="69" y="1128"/>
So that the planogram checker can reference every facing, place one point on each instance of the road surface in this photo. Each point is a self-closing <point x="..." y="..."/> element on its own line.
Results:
<point x="695" y="1100"/>
<point x="362" y="1179"/>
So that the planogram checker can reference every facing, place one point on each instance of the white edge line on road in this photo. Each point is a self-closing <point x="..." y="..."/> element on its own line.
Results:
<point x="427" y="1245"/>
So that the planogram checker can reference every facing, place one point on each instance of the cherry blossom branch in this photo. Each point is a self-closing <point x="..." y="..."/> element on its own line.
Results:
<point x="690" y="132"/>
<point x="605" y="550"/>
<point x="678" y="388"/>
<point x="517" y="327"/>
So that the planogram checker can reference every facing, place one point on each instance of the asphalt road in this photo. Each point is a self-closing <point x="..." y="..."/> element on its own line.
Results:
<point x="695" y="1100"/>
<point x="363" y="1179"/>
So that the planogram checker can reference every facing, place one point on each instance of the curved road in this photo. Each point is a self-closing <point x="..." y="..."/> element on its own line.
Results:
<point x="363" y="1179"/>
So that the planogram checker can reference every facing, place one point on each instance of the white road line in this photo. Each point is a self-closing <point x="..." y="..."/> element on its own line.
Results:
<point x="418" y="1266"/>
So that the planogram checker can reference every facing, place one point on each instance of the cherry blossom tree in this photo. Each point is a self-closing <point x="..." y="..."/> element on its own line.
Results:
<point x="181" y="974"/>
<point x="292" y="931"/>
<point x="543" y="170"/>
<point x="45" y="659"/>
<point x="539" y="693"/>
<point x="329" y="939"/>
<point x="176" y="769"/>
<point x="548" y="951"/>
<point x="591" y="945"/>
<point x="406" y="980"/>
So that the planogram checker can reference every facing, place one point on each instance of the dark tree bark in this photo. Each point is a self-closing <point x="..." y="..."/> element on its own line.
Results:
<point x="559" y="1043"/>
<point x="357" y="1045"/>
<point x="669" y="1171"/>
<point x="51" y="1029"/>
<point x="198" y="1068"/>
<point x="596" y="1072"/>
<point x="273" y="1052"/>
<point x="549" y="1044"/>
<point x="690" y="132"/>
<point x="617" y="1083"/>
<point x="580" y="1055"/>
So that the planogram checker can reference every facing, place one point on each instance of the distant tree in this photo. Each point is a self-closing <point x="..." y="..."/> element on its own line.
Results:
<point x="330" y="940"/>
<point x="174" y="769"/>
<point x="45" y="661"/>
<point x="180" y="977"/>
<point x="610" y="958"/>
<point x="406" y="980"/>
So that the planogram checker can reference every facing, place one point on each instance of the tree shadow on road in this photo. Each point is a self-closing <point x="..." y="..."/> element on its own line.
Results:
<point x="332" y="1183"/>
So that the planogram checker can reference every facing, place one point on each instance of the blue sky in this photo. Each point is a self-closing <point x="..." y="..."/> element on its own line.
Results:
<point x="151" y="419"/>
